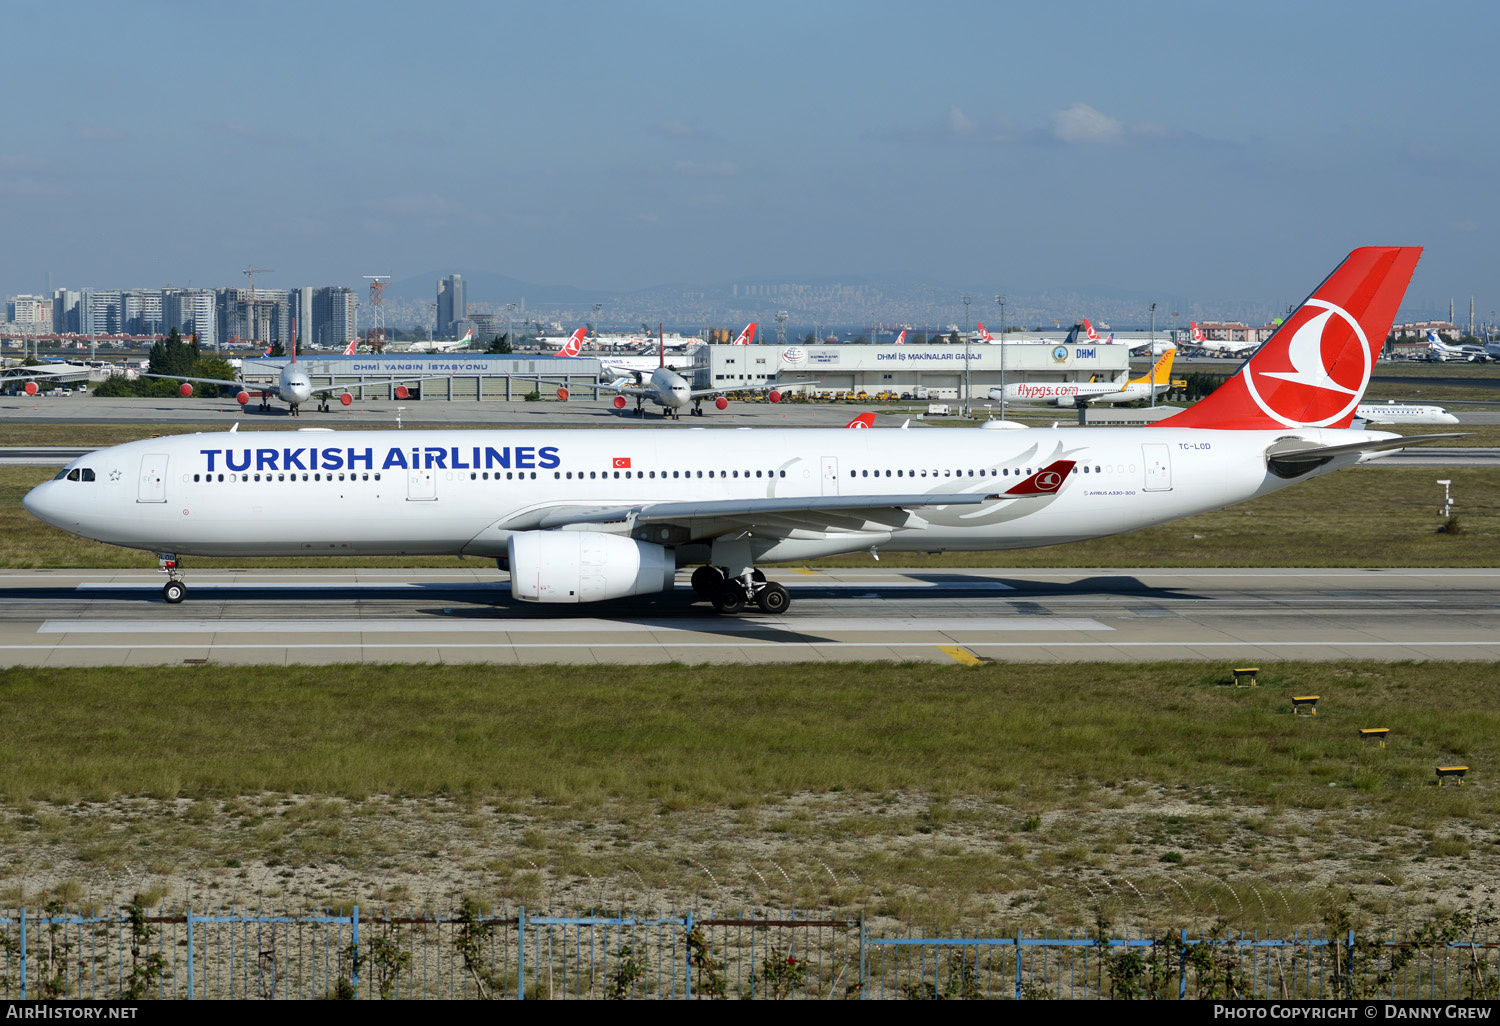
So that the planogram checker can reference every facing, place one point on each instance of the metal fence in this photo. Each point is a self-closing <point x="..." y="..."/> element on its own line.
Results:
<point x="491" y="954"/>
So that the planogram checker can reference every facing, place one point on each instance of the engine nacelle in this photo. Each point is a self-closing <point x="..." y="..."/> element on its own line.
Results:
<point x="242" y="397"/>
<point x="185" y="390"/>
<point x="346" y="399"/>
<point x="721" y="403"/>
<point x="775" y="396"/>
<point x="562" y="395"/>
<point x="402" y="392"/>
<point x="31" y="388"/>
<point x="581" y="566"/>
<point x="619" y="402"/>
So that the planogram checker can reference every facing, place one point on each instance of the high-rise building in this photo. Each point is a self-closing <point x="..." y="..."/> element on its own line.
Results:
<point x="65" y="311"/>
<point x="30" y="313"/>
<point x="451" y="307"/>
<point x="191" y="312"/>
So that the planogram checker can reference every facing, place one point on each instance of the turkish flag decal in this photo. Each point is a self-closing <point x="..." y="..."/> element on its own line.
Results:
<point x="622" y="462"/>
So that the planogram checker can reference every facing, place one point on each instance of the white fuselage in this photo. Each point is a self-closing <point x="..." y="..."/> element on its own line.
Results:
<point x="1398" y="413"/>
<point x="1071" y="393"/>
<point x="300" y="493"/>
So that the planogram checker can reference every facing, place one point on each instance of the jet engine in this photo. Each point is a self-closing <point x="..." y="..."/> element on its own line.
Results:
<point x="721" y="403"/>
<point x="185" y="390"/>
<point x="242" y="397"/>
<point x="582" y="566"/>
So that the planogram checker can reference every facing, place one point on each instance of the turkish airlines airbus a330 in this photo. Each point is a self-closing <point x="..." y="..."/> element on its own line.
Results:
<point x="585" y="515"/>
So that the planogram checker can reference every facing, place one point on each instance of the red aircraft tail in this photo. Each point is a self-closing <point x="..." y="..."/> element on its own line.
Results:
<point x="1314" y="369"/>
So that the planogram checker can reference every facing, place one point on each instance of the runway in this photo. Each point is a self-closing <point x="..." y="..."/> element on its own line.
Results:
<point x="274" y="617"/>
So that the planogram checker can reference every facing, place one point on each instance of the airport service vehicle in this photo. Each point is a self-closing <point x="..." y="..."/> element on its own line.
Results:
<point x="1085" y="393"/>
<point x="587" y="515"/>
<point x="1392" y="412"/>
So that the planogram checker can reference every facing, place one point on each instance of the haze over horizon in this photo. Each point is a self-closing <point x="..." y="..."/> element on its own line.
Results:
<point x="1219" y="152"/>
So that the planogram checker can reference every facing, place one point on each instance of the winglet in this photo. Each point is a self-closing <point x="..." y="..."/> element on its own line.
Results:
<point x="1045" y="481"/>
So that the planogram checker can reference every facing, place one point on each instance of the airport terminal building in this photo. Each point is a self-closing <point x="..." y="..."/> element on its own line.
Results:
<point x="916" y="371"/>
<point x="933" y="371"/>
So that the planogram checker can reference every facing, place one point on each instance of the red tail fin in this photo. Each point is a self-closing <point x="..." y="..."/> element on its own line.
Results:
<point x="864" y="420"/>
<point x="984" y="334"/>
<point x="574" y="345"/>
<point x="747" y="337"/>
<point x="1314" y="369"/>
<point x="1089" y="328"/>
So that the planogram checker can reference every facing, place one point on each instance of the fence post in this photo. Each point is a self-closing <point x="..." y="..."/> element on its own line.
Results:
<point x="1349" y="969"/>
<point x="354" y="949"/>
<point x="1018" y="963"/>
<point x="863" y="970"/>
<point x="521" y="947"/>
<point x="23" y="952"/>
<point x="689" y="975"/>
<point x="1182" y="968"/>
<point x="190" y="951"/>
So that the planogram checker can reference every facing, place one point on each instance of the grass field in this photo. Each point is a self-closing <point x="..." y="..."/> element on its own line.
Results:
<point x="930" y="794"/>
<point x="1367" y="516"/>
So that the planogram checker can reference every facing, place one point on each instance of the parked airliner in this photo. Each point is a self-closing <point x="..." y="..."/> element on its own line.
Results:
<point x="587" y="515"/>
<point x="1216" y="347"/>
<point x="292" y="387"/>
<point x="1392" y="412"/>
<point x="1084" y="393"/>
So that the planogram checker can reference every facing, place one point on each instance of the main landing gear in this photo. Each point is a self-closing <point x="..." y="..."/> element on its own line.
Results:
<point x="732" y="595"/>
<point x="174" y="591"/>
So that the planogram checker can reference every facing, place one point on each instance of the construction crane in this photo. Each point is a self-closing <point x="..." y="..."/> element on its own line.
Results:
<point x="252" y="271"/>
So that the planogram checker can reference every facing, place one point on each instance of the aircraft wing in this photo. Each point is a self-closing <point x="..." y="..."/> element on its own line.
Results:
<point x="782" y="516"/>
<point x="630" y="390"/>
<point x="779" y="386"/>
<point x="212" y="381"/>
<point x="383" y="383"/>
<point x="818" y="509"/>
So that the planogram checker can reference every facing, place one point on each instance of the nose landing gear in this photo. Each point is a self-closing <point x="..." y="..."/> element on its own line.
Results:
<point x="174" y="591"/>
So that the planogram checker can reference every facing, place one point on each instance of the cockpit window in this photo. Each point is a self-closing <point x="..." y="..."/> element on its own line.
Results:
<point x="88" y="475"/>
<point x="73" y="474"/>
<point x="60" y="474"/>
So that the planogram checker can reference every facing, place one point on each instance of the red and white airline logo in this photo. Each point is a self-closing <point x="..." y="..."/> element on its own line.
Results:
<point x="901" y="338"/>
<point x="747" y="337"/>
<point x="622" y="462"/>
<point x="1094" y="335"/>
<point x="984" y="334"/>
<point x="573" y="346"/>
<point x="1311" y="385"/>
<point x="1048" y="481"/>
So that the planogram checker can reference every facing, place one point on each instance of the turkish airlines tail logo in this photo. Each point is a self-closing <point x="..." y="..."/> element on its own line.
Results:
<point x="864" y="420"/>
<point x="573" y="346"/>
<point x="1197" y="335"/>
<point x="353" y="345"/>
<point x="747" y="337"/>
<point x="1313" y="370"/>
<point x="1045" y="481"/>
<point x="984" y="334"/>
<point x="1093" y="335"/>
<point x="901" y="338"/>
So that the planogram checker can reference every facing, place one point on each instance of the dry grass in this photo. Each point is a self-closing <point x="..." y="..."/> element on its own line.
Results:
<point x="928" y="794"/>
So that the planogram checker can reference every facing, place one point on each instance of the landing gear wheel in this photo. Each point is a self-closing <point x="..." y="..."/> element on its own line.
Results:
<point x="773" y="598"/>
<point x="707" y="580"/>
<point x="729" y="599"/>
<point x="174" y="592"/>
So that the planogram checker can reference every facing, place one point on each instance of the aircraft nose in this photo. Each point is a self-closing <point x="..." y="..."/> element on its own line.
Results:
<point x="41" y="502"/>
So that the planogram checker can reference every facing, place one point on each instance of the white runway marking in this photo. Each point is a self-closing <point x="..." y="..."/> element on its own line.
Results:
<point x="796" y="625"/>
<point x="199" y="584"/>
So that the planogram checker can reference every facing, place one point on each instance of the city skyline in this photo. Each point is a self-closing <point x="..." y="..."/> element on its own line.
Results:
<point x="1225" y="155"/>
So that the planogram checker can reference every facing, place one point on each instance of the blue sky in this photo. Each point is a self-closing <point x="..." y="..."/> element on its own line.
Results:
<point x="1230" y="151"/>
